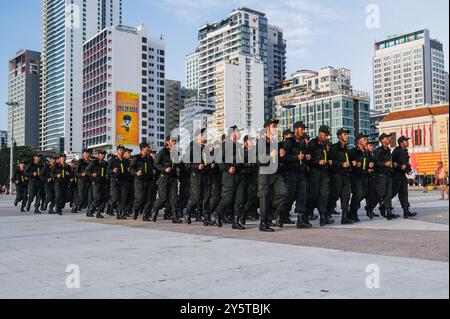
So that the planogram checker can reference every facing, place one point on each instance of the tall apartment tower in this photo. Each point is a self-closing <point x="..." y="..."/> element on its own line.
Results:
<point x="123" y="89"/>
<point x="192" y="68"/>
<point x="23" y="88"/>
<point x="66" y="25"/>
<point x="276" y="55"/>
<point x="245" y="31"/>
<point x="239" y="94"/>
<point x="409" y="72"/>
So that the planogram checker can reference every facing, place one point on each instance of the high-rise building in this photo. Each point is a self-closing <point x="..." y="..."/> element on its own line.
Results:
<point x="245" y="32"/>
<point x="3" y="139"/>
<point x="192" y="71"/>
<point x="23" y="89"/>
<point x="193" y="116"/>
<point x="174" y="103"/>
<point x="323" y="98"/>
<point x="276" y="55"/>
<point x="409" y="71"/>
<point x="239" y="97"/>
<point x="66" y="25"/>
<point x="123" y="89"/>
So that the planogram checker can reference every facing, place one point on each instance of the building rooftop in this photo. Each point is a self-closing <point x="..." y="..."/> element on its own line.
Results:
<point x="424" y="111"/>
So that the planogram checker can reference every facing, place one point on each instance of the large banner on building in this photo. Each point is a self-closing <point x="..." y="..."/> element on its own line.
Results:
<point x="127" y="118"/>
<point x="425" y="163"/>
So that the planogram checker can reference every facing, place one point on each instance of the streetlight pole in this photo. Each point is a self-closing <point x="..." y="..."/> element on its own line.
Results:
<point x="12" y="105"/>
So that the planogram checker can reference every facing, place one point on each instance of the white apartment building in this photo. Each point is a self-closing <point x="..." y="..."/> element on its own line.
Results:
<point x="239" y="94"/>
<point x="409" y="71"/>
<point x="245" y="31"/>
<point x="192" y="69"/>
<point x="118" y="61"/>
<point x="66" y="24"/>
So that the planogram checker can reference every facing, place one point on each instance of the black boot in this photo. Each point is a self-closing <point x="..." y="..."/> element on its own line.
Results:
<point x="146" y="216"/>
<point x="120" y="215"/>
<point x="279" y="220"/>
<point x="74" y="209"/>
<point x="407" y="214"/>
<point x="89" y="212"/>
<point x="187" y="217"/>
<point x="208" y="221"/>
<point x="135" y="214"/>
<point x="28" y="207"/>
<point x="175" y="219"/>
<point x="329" y="220"/>
<point x="22" y="209"/>
<point x="218" y="220"/>
<point x="265" y="227"/>
<point x="99" y="215"/>
<point x="369" y="213"/>
<point x="155" y="214"/>
<point x="303" y="221"/>
<point x="236" y="224"/>
<point x="37" y="211"/>
<point x="345" y="219"/>
<point x="59" y="212"/>
<point x="383" y="212"/>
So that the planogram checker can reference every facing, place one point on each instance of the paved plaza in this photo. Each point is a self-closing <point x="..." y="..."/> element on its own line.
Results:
<point x="133" y="259"/>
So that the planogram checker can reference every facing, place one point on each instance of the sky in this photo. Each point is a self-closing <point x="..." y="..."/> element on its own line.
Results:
<point x="319" y="33"/>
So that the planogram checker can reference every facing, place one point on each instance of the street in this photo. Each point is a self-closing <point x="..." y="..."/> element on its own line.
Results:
<point x="133" y="259"/>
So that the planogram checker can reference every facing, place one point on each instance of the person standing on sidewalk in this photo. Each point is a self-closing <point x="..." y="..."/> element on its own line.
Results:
<point x="442" y="180"/>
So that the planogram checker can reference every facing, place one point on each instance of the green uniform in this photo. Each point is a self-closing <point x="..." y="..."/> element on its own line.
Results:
<point x="143" y="185"/>
<point x="167" y="185"/>
<point x="97" y="170"/>
<point x="84" y="185"/>
<point x="21" y="181"/>
<point x="49" y="185"/>
<point x="272" y="191"/>
<point x="35" y="185"/>
<point x="120" y="184"/>
<point x="61" y="174"/>
<point x="233" y="185"/>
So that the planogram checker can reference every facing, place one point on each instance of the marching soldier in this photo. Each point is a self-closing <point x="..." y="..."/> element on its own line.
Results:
<point x="250" y="173"/>
<point x="73" y="183"/>
<point x="233" y="183"/>
<point x="402" y="167"/>
<point x="21" y="181"/>
<point x="361" y="164"/>
<point x="35" y="185"/>
<point x="340" y="176"/>
<point x="84" y="183"/>
<point x="142" y="169"/>
<point x="61" y="174"/>
<point x="295" y="174"/>
<point x="167" y="182"/>
<point x="318" y="182"/>
<point x="97" y="171"/>
<point x="384" y="168"/>
<point x="119" y="182"/>
<point x="199" y="175"/>
<point x="272" y="190"/>
<point x="49" y="185"/>
<point x="371" y="173"/>
<point x="129" y="206"/>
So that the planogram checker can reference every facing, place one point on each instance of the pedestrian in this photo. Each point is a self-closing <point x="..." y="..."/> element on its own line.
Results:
<point x="442" y="180"/>
<point x="49" y="184"/>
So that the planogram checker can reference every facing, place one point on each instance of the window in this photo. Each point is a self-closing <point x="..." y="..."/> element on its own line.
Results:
<point x="418" y="138"/>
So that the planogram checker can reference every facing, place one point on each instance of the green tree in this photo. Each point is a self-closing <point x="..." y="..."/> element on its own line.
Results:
<point x="22" y="153"/>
